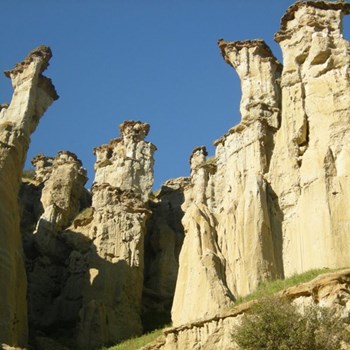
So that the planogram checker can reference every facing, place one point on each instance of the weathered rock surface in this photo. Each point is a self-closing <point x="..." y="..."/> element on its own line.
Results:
<point x="108" y="243"/>
<point x="56" y="199"/>
<point x="33" y="94"/>
<point x="329" y="290"/>
<point x="274" y="200"/>
<point x="310" y="167"/>
<point x="85" y="259"/>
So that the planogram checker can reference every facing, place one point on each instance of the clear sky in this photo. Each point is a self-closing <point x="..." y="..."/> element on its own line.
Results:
<point x="150" y="60"/>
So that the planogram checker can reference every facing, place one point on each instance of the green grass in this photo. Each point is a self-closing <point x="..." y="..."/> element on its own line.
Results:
<point x="136" y="343"/>
<point x="271" y="287"/>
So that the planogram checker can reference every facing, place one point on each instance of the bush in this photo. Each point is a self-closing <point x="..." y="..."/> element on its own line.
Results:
<point x="275" y="324"/>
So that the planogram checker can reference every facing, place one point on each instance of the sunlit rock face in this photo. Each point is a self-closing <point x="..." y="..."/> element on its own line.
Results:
<point x="33" y="94"/>
<point x="273" y="201"/>
<point x="112" y="295"/>
<point x="310" y="166"/>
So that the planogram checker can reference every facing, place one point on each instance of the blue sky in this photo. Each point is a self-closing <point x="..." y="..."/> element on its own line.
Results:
<point x="150" y="60"/>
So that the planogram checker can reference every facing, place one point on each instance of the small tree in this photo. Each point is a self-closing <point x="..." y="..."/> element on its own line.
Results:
<point x="275" y="324"/>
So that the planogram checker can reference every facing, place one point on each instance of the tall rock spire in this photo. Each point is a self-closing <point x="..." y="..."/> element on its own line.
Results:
<point x="33" y="94"/>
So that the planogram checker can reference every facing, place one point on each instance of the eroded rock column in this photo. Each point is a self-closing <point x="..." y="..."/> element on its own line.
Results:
<point x="201" y="289"/>
<point x="310" y="166"/>
<point x="111" y="304"/>
<point x="246" y="235"/>
<point x="33" y="94"/>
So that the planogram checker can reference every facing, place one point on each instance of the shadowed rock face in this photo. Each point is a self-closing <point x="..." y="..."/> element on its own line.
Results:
<point x="274" y="202"/>
<point x="85" y="258"/>
<point x="33" y="94"/>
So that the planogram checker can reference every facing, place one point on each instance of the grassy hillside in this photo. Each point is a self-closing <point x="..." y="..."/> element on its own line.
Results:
<point x="262" y="291"/>
<point x="136" y="343"/>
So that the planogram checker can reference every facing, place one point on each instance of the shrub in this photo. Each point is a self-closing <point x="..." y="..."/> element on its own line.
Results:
<point x="275" y="324"/>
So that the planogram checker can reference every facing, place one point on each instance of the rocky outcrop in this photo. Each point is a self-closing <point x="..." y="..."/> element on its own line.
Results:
<point x="274" y="200"/>
<point x="329" y="290"/>
<point x="310" y="169"/>
<point x="200" y="253"/>
<point x="85" y="257"/>
<point x="226" y="219"/>
<point x="127" y="162"/>
<point x="57" y="195"/>
<point x="108" y="244"/>
<point x="33" y="94"/>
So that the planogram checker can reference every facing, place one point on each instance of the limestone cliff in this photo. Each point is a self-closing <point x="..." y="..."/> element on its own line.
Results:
<point x="273" y="202"/>
<point x="33" y="94"/>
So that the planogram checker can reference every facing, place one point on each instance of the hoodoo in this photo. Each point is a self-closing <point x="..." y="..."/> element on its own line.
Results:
<point x="33" y="94"/>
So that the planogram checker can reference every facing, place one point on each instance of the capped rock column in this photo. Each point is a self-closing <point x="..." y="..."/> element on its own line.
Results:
<point x="246" y="236"/>
<point x="258" y="71"/>
<point x="311" y="161"/>
<point x="111" y="306"/>
<point x="33" y="94"/>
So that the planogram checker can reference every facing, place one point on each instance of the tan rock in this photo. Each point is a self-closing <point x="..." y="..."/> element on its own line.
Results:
<point x="201" y="288"/>
<point x="33" y="94"/>
<point x="60" y="194"/>
<point x="309" y="170"/>
<point x="111" y="300"/>
<point x="329" y="290"/>
<point x="275" y="201"/>
<point x="127" y="162"/>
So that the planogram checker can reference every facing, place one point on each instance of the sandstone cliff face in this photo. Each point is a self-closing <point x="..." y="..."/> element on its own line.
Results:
<point x="311" y="165"/>
<point x="274" y="202"/>
<point x="33" y="94"/>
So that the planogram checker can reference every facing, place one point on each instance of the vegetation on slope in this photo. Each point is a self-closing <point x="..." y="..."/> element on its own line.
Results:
<point x="136" y="343"/>
<point x="271" y="287"/>
<point x="274" y="323"/>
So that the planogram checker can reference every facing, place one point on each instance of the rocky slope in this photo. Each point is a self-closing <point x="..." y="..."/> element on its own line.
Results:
<point x="328" y="290"/>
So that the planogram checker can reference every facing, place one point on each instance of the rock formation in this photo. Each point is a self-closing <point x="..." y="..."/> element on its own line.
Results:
<point x="85" y="256"/>
<point x="111" y="304"/>
<point x="328" y="290"/>
<point x="57" y="195"/>
<point x="310" y="168"/>
<point x="33" y="94"/>
<point x="274" y="202"/>
<point x="163" y="243"/>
